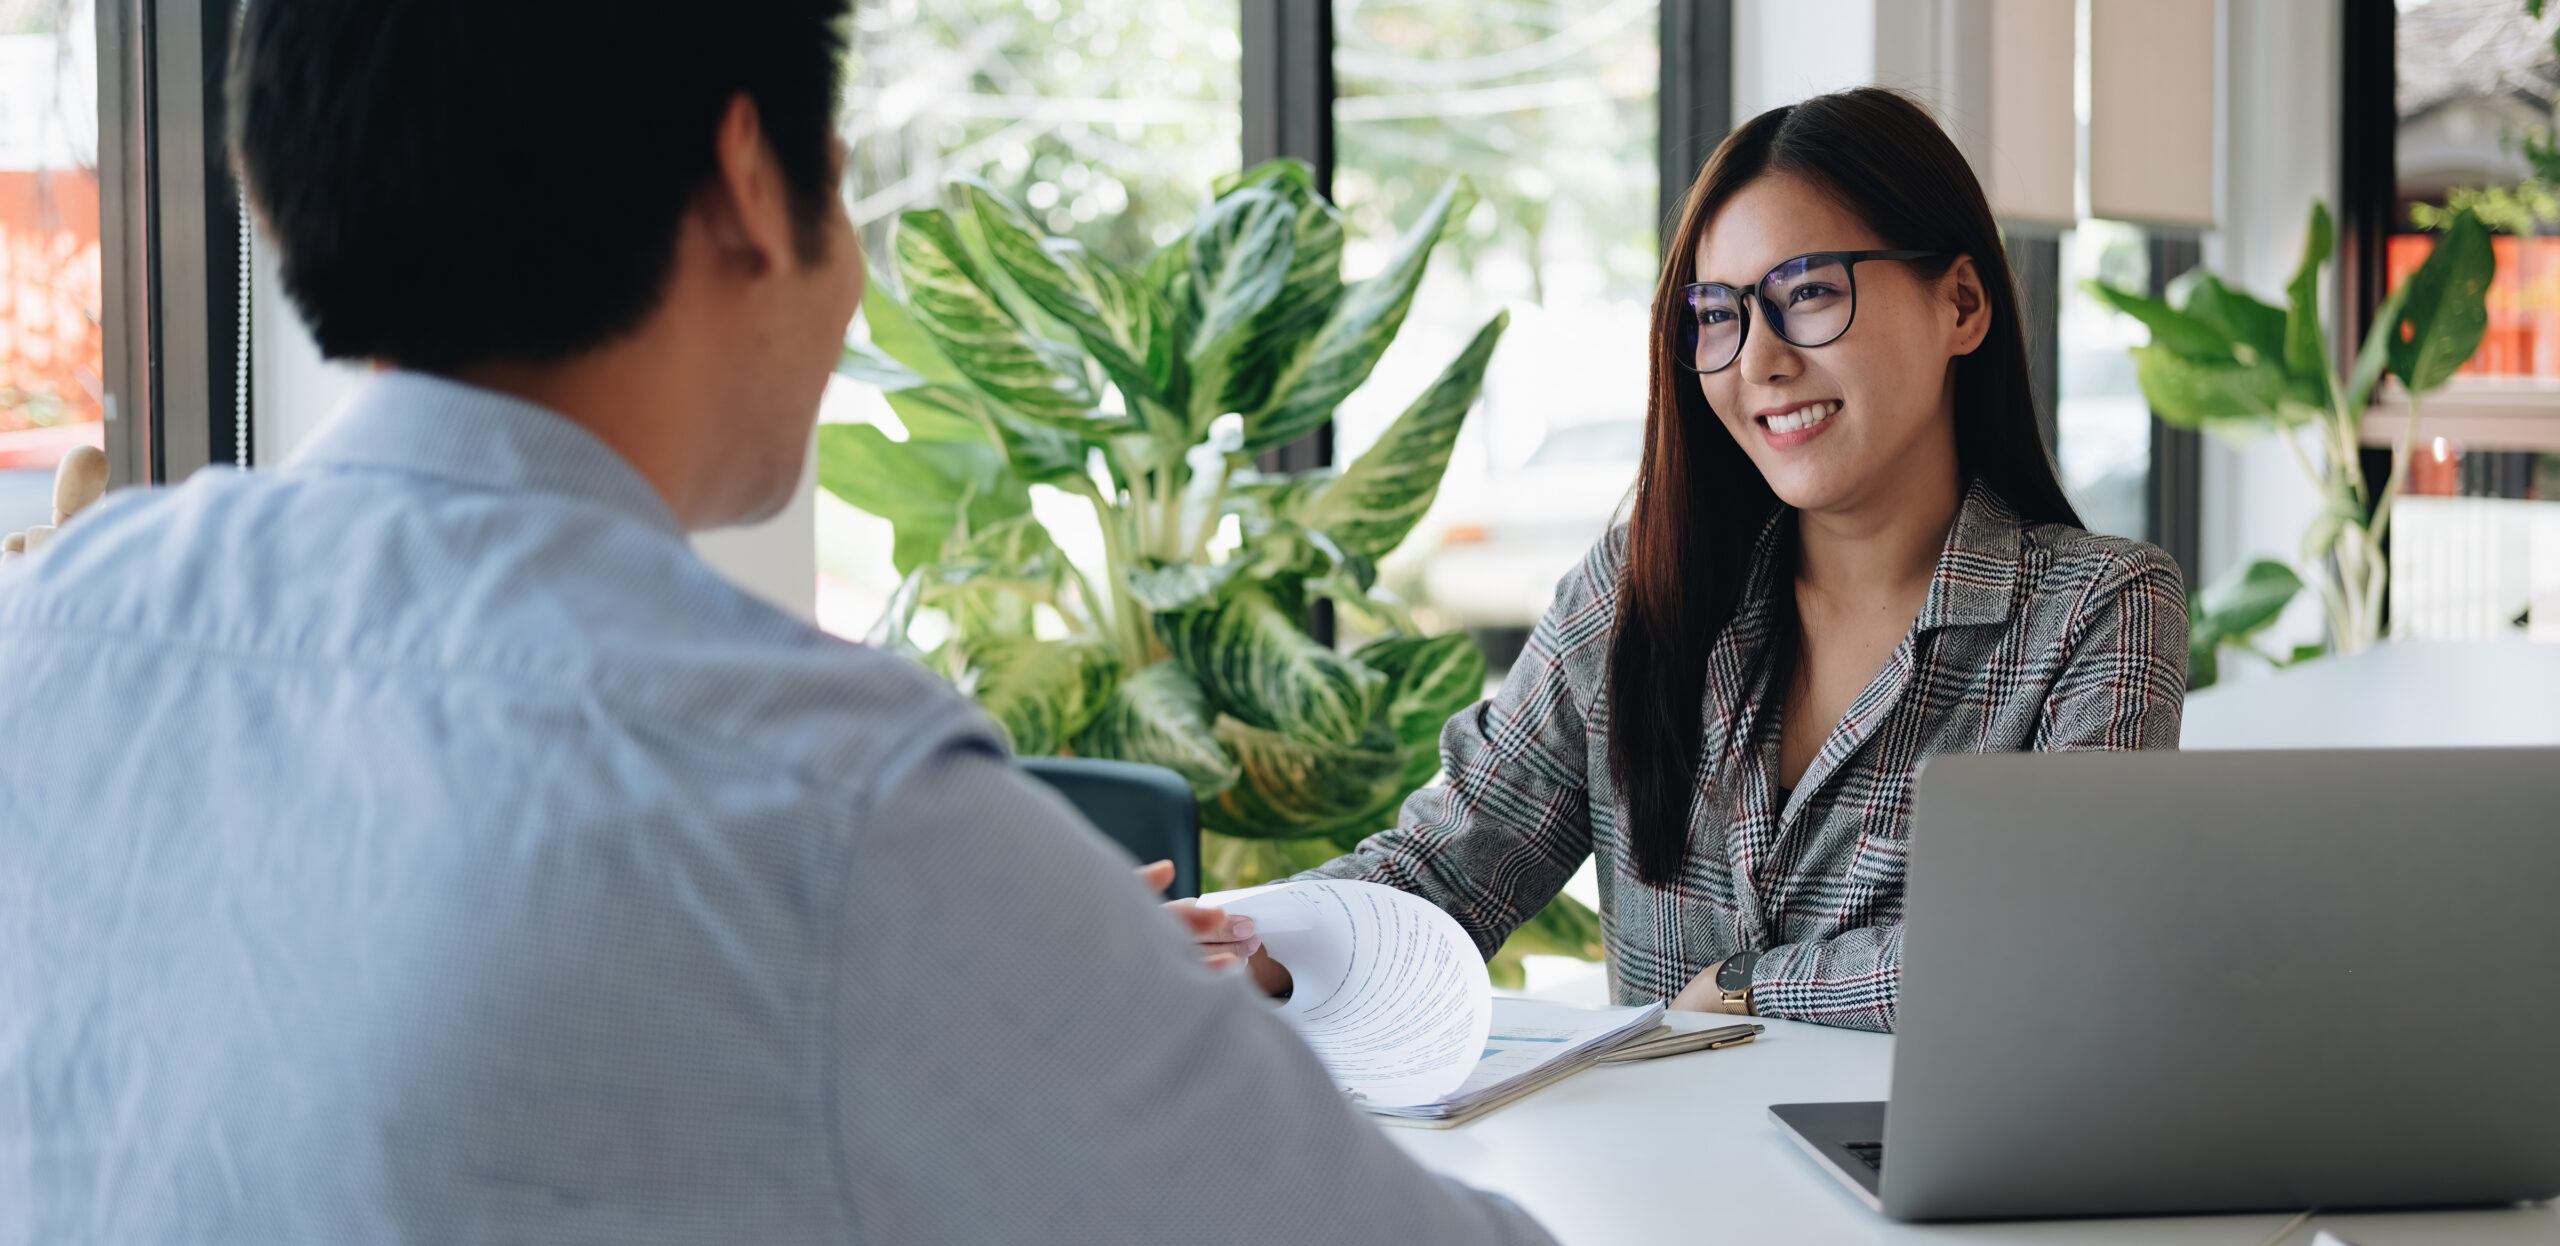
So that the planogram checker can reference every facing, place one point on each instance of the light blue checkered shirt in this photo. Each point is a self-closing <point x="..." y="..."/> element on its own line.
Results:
<point x="419" y="844"/>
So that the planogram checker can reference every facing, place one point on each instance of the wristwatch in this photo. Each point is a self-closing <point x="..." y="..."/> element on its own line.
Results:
<point x="1733" y="977"/>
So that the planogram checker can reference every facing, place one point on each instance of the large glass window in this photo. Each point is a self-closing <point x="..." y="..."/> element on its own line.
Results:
<point x="2102" y="425"/>
<point x="1108" y="119"/>
<point x="2475" y="548"/>
<point x="1551" y="113"/>
<point x="52" y="345"/>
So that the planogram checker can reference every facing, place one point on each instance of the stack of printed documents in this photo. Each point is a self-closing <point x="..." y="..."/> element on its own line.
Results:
<point x="1393" y="997"/>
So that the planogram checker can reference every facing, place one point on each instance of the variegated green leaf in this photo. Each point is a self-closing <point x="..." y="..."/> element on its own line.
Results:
<point x="950" y="301"/>
<point x="1158" y="716"/>
<point x="2375" y="355"/>
<point x="2241" y="317"/>
<point x="2181" y="333"/>
<point x="1255" y="663"/>
<point x="2447" y="312"/>
<point x="1168" y="273"/>
<point x="1164" y="588"/>
<point x="2306" y="348"/>
<point x="1370" y="508"/>
<point x="1291" y="787"/>
<point x="1306" y="297"/>
<point x="1042" y="691"/>
<point x="1340" y="354"/>
<point x="1240" y="255"/>
<point x="1430" y="679"/>
<point x="894" y="333"/>
<point x="2189" y="393"/>
<point x="1110" y="311"/>
<point x="920" y="487"/>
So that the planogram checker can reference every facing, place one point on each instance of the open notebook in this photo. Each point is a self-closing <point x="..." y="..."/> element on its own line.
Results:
<point x="1393" y="997"/>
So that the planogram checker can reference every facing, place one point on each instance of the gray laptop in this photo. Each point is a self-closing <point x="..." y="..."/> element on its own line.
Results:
<point x="2193" y="982"/>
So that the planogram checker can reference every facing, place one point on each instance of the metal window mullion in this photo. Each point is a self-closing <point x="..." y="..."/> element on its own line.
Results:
<point x="1696" y="95"/>
<point x="1288" y="111"/>
<point x="124" y="190"/>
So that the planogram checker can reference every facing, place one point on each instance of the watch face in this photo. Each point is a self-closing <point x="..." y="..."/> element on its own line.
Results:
<point x="1736" y="973"/>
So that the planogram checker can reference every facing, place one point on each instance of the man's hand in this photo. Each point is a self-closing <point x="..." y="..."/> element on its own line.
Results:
<point x="1225" y="942"/>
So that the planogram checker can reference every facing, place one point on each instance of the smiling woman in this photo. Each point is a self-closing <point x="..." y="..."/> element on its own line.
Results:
<point x="1847" y="553"/>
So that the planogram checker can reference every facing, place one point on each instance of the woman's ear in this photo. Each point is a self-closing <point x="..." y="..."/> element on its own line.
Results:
<point x="1962" y="287"/>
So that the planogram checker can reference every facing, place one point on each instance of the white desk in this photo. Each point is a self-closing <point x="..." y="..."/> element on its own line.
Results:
<point x="1682" y="1150"/>
<point x="2404" y="694"/>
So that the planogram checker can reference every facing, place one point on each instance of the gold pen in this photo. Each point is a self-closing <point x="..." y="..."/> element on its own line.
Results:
<point x="1674" y="1044"/>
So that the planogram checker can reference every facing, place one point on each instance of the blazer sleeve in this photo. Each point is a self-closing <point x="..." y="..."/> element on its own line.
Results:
<point x="1509" y="822"/>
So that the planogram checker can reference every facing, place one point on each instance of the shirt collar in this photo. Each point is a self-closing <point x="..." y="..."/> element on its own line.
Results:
<point x="1976" y="570"/>
<point x="429" y="425"/>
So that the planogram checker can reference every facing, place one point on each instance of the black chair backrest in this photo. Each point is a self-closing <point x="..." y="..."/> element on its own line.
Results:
<point x="1145" y="809"/>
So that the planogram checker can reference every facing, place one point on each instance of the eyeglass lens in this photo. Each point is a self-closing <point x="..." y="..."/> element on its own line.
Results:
<point x="1808" y="301"/>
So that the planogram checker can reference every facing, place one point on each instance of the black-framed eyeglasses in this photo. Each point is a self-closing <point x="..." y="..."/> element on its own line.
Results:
<point x="1808" y="300"/>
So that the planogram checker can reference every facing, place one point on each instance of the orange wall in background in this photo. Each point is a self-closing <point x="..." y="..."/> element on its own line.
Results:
<point x="2524" y="303"/>
<point x="52" y="349"/>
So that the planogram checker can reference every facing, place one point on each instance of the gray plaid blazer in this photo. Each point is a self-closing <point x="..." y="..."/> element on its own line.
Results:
<point x="2034" y="637"/>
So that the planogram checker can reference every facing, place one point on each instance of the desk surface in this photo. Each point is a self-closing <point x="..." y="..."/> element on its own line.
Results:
<point x="1682" y="1150"/>
<point x="2405" y="694"/>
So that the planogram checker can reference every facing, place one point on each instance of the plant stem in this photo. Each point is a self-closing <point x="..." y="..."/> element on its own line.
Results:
<point x="1216" y="509"/>
<point x="2402" y="452"/>
<point x="1125" y="619"/>
<point x="1169" y="542"/>
<point x="2327" y="574"/>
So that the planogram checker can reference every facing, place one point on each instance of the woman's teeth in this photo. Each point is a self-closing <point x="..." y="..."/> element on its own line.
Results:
<point x="1802" y="418"/>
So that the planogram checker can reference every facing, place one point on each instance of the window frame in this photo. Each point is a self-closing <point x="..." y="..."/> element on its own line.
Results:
<point x="173" y="240"/>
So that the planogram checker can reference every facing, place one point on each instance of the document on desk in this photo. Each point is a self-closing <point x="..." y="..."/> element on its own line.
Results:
<point x="1392" y="996"/>
<point x="1388" y="990"/>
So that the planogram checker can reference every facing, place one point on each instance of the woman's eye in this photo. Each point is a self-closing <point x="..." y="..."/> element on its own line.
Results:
<point x="1715" y="315"/>
<point x="1808" y="292"/>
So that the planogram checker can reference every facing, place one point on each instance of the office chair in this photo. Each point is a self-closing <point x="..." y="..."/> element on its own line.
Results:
<point x="1147" y="810"/>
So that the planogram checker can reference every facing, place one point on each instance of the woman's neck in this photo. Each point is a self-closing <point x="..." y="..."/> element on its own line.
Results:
<point x="1886" y="546"/>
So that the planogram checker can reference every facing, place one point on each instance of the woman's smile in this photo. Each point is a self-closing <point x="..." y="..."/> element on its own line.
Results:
<point x="1791" y="425"/>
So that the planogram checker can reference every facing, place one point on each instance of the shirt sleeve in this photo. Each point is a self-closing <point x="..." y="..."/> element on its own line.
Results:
<point x="1026" y="1048"/>
<point x="1510" y="822"/>
<point x="2123" y="686"/>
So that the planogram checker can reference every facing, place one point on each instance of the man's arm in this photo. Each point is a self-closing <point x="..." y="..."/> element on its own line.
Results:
<point x="1028" y="1050"/>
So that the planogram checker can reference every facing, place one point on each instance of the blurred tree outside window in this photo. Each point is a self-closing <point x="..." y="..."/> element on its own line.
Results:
<point x="2104" y="426"/>
<point x="1549" y="108"/>
<point x="52" y="348"/>
<point x="1107" y="119"/>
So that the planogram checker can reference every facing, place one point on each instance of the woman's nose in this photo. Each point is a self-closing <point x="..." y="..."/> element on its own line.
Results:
<point x="1766" y="357"/>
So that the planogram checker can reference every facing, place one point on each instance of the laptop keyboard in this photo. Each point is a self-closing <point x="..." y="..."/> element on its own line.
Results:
<point x="1872" y="1153"/>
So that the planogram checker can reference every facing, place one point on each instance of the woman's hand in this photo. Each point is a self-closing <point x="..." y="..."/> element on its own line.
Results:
<point x="1702" y="994"/>
<point x="1225" y="942"/>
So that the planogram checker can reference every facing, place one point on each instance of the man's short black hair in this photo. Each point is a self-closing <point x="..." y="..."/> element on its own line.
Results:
<point x="453" y="182"/>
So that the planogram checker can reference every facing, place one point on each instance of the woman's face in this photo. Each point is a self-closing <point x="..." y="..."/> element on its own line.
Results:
<point x="1873" y="411"/>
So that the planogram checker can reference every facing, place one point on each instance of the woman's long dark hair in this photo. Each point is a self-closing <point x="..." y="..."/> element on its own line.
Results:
<point x="1700" y="504"/>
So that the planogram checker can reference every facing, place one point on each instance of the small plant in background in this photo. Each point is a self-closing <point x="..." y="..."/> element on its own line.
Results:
<point x="1015" y="359"/>
<point x="2222" y="361"/>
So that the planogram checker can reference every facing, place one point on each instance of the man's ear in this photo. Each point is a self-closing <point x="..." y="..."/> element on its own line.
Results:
<point x="1962" y="288"/>
<point x="744" y="209"/>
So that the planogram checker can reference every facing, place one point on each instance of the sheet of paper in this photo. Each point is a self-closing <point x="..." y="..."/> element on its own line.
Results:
<point x="1387" y="989"/>
<point x="1527" y="1033"/>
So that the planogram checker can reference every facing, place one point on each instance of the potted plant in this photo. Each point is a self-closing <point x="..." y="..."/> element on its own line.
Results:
<point x="1016" y="359"/>
<point x="2227" y="363"/>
